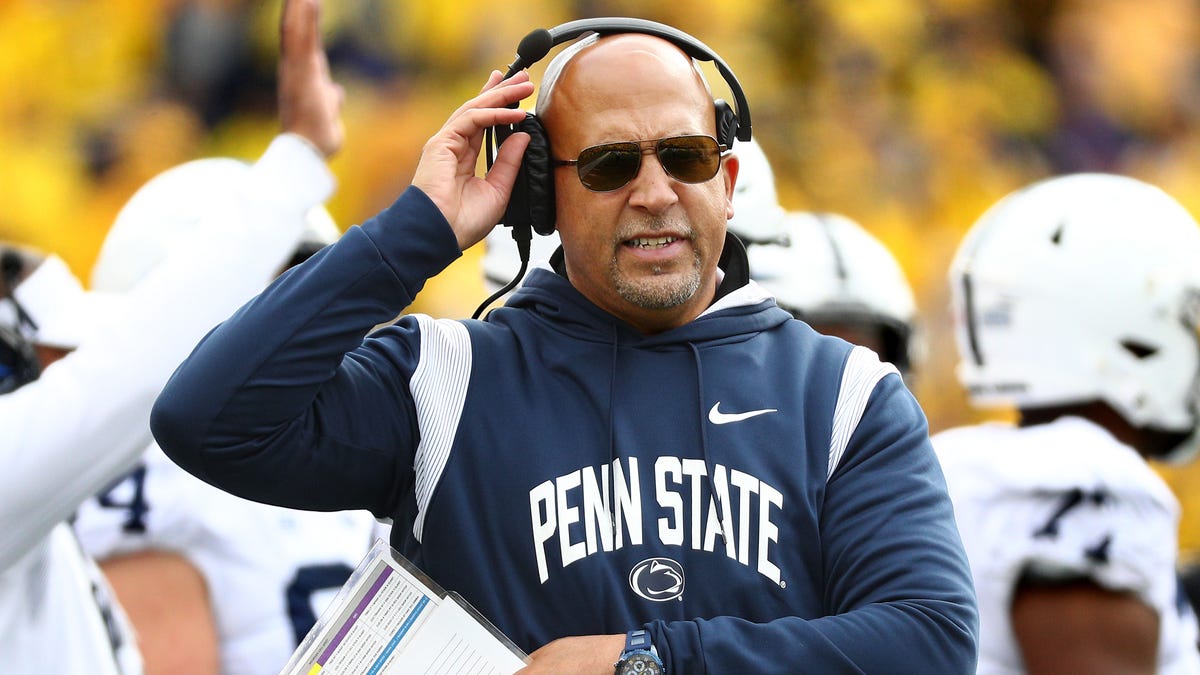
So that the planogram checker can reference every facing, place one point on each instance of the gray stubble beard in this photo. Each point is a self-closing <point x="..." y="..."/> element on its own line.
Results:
<point x="649" y="295"/>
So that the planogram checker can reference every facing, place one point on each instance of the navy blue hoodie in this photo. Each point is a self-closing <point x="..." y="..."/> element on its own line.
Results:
<point x="762" y="498"/>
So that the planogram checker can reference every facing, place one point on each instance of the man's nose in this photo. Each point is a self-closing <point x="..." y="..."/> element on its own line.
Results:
<point x="652" y="188"/>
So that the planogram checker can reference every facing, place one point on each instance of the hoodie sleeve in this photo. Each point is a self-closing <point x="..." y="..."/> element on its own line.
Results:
<point x="286" y="403"/>
<point x="898" y="594"/>
<point x="84" y="421"/>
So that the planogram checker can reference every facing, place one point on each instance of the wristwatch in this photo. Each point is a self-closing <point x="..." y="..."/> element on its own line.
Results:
<point x="640" y="657"/>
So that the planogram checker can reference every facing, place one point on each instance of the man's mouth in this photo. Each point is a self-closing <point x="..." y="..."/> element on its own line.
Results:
<point x="648" y="243"/>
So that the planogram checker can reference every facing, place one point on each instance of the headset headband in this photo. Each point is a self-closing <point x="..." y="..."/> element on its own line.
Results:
<point x="534" y="47"/>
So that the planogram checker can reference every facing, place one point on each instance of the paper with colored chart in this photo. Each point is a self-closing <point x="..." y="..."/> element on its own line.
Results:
<point x="390" y="618"/>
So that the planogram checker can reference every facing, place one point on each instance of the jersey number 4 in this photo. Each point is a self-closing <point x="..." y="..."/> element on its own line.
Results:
<point x="129" y="493"/>
<point x="134" y="502"/>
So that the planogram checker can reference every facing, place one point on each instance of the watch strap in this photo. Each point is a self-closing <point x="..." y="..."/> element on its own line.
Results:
<point x="637" y="639"/>
<point x="639" y="655"/>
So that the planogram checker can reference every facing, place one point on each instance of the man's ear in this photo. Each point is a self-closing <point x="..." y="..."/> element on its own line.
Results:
<point x="730" y="173"/>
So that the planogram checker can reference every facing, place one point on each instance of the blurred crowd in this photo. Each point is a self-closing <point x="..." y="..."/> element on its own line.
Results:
<point x="910" y="116"/>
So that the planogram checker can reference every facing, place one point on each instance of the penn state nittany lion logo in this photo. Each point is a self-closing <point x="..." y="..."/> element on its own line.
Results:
<point x="657" y="579"/>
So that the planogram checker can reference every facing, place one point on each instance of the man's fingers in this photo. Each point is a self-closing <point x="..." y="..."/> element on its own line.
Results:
<point x="299" y="26"/>
<point x="508" y="161"/>
<point x="515" y="78"/>
<point x="471" y="124"/>
<point x="468" y="121"/>
<point x="493" y="78"/>
<point x="498" y="95"/>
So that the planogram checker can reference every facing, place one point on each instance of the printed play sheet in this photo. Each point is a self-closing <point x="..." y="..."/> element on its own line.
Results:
<point x="389" y="618"/>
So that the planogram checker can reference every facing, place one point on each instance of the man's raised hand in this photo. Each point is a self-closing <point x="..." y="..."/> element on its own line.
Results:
<point x="446" y="171"/>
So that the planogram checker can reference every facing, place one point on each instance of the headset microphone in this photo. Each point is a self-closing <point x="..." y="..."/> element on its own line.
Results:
<point x="533" y="48"/>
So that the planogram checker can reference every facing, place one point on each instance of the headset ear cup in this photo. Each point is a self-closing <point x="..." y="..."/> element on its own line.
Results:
<point x="727" y="123"/>
<point x="516" y="213"/>
<point x="539" y="176"/>
<point x="531" y="204"/>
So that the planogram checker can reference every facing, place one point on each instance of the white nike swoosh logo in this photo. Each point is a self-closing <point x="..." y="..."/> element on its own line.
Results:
<point x="717" y="417"/>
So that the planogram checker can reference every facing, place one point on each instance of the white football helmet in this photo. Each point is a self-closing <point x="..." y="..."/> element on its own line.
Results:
<point x="757" y="215"/>
<point x="832" y="270"/>
<point x="501" y="261"/>
<point x="1083" y="288"/>
<point x="168" y="207"/>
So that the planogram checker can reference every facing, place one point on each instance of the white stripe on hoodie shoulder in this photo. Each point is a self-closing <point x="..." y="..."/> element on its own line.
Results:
<point x="863" y="371"/>
<point x="439" y="390"/>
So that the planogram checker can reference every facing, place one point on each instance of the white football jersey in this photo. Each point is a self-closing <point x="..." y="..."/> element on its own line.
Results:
<point x="57" y="614"/>
<point x="1064" y="498"/>
<point x="84" y="421"/>
<point x="270" y="571"/>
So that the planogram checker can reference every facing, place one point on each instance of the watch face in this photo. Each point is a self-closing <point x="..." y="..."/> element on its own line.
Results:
<point x="639" y="664"/>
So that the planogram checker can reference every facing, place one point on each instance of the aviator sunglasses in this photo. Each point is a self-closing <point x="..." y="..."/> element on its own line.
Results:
<point x="610" y="166"/>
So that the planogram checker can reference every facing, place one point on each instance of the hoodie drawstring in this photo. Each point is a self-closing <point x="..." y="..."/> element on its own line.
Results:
<point x="700" y="418"/>
<point x="612" y="437"/>
<point x="709" y="468"/>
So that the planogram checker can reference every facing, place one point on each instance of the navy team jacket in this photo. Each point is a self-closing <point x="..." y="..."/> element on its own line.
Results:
<point x="762" y="498"/>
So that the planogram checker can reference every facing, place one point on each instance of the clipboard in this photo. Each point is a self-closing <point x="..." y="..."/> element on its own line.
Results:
<point x="390" y="618"/>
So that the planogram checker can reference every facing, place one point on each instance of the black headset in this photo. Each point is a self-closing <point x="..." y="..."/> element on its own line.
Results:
<point x="531" y="204"/>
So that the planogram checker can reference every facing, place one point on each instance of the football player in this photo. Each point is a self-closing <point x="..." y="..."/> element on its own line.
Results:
<point x="824" y="268"/>
<point x="1077" y="301"/>
<point x="84" y="420"/>
<point x="257" y="576"/>
<point x="837" y="277"/>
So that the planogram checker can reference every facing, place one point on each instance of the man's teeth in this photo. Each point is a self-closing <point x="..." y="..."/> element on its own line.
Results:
<point x="655" y="242"/>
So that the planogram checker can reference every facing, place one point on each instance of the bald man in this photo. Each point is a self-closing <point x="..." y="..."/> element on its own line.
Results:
<point x="639" y="463"/>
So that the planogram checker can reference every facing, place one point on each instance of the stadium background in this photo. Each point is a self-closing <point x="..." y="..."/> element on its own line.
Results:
<point x="910" y="116"/>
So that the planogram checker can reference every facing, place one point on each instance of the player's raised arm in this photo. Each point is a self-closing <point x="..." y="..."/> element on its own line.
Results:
<point x="310" y="101"/>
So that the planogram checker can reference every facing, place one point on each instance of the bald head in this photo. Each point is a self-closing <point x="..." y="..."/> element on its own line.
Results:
<point x="618" y="71"/>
